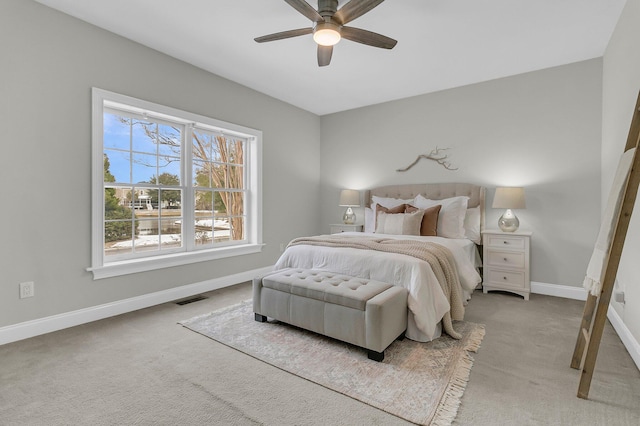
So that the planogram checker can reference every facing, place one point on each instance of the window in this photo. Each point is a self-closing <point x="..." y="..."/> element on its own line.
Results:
<point x="170" y="187"/>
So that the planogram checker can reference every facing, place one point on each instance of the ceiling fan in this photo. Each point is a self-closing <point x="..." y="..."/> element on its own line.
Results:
<point x="329" y="26"/>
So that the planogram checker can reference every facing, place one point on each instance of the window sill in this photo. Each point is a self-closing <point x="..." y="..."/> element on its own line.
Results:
<point x="158" y="262"/>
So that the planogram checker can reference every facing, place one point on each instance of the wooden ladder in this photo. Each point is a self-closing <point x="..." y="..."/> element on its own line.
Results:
<point x="595" y="309"/>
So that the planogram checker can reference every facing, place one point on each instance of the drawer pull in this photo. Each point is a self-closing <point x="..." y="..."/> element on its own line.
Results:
<point x="505" y="259"/>
<point x="504" y="278"/>
<point x="505" y="242"/>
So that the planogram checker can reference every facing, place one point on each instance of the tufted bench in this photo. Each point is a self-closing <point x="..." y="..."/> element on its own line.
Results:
<point x="367" y="313"/>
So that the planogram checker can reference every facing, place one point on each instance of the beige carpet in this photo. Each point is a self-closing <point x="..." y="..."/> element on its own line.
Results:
<point x="419" y="382"/>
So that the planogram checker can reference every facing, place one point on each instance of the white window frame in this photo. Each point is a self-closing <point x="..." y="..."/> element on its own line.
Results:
<point x="102" y="267"/>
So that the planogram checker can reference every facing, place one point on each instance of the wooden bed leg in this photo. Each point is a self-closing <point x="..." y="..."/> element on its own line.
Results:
<point x="375" y="356"/>
<point x="260" y="318"/>
<point x="585" y="330"/>
<point x="401" y="336"/>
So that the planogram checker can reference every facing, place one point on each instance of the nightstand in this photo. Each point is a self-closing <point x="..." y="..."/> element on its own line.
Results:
<point x="336" y="228"/>
<point x="506" y="262"/>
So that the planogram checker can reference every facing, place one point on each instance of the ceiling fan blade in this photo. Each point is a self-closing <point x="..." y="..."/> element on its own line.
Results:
<point x="324" y="55"/>
<point x="367" y="37"/>
<point x="284" y="34"/>
<point x="306" y="9"/>
<point x="354" y="9"/>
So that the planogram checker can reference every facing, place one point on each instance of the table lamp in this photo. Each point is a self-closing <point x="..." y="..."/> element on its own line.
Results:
<point x="349" y="198"/>
<point x="509" y="198"/>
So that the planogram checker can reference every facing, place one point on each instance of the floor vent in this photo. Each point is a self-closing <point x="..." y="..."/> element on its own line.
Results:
<point x="190" y="300"/>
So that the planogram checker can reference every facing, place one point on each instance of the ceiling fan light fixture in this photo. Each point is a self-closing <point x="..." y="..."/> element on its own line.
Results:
<point x="326" y="34"/>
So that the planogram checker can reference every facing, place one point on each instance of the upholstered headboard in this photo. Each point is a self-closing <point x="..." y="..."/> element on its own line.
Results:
<point x="433" y="191"/>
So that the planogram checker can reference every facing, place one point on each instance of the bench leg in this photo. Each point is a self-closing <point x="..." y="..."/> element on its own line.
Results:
<point x="260" y="318"/>
<point x="375" y="356"/>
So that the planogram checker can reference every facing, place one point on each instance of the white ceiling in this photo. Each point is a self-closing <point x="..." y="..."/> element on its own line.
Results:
<point x="441" y="43"/>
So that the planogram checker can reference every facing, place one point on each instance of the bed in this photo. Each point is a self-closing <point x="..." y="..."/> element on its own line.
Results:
<point x="388" y="210"/>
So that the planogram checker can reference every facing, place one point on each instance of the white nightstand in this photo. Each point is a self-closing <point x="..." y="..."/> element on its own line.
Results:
<point x="336" y="228"/>
<point x="505" y="262"/>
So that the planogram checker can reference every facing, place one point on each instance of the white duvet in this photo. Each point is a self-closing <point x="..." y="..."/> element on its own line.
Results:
<point x="427" y="302"/>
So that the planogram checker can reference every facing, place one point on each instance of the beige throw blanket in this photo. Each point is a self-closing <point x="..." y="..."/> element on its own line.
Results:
<point x="439" y="258"/>
<point x="597" y="263"/>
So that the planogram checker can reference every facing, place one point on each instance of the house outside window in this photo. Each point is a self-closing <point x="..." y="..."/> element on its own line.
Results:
<point x="170" y="187"/>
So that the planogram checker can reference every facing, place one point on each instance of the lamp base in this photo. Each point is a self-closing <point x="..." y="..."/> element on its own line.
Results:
<point x="349" y="217"/>
<point x="508" y="222"/>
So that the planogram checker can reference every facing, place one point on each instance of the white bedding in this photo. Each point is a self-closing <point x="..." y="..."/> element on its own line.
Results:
<point x="427" y="302"/>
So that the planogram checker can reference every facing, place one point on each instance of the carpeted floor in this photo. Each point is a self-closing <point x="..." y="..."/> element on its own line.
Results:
<point x="143" y="368"/>
<point x="419" y="382"/>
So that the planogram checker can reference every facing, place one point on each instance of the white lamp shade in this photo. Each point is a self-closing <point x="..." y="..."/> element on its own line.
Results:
<point x="349" y="198"/>
<point x="509" y="198"/>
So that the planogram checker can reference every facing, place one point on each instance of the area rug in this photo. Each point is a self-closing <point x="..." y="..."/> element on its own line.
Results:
<point x="419" y="382"/>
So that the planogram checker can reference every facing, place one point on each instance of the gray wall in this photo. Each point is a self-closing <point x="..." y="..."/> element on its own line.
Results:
<point x="540" y="130"/>
<point x="621" y="83"/>
<point x="50" y="61"/>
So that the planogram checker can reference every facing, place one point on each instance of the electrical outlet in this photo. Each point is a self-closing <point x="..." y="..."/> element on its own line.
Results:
<point x="27" y="289"/>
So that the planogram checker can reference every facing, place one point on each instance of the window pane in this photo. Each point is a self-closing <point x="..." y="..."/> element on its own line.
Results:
<point x="169" y="166"/>
<point x="144" y="168"/>
<point x="118" y="237"/>
<point x="218" y="175"/>
<point x="144" y="136"/>
<point x="219" y="148"/>
<point x="117" y="166"/>
<point x="169" y="140"/>
<point x="201" y="174"/>
<point x="203" y="230"/>
<point x="221" y="229"/>
<point x="147" y="238"/>
<point x="201" y="145"/>
<point x="237" y="228"/>
<point x="236" y="177"/>
<point x="204" y="203"/>
<point x="236" y="151"/>
<point x="222" y="201"/>
<point x="117" y="203"/>
<point x="170" y="202"/>
<point x="116" y="132"/>
<point x="171" y="233"/>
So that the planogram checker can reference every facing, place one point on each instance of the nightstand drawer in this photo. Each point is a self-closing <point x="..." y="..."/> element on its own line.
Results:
<point x="510" y="242"/>
<point x="506" y="278"/>
<point x="506" y="259"/>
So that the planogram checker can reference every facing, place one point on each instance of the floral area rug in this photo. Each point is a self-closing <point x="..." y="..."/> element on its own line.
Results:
<point x="419" y="382"/>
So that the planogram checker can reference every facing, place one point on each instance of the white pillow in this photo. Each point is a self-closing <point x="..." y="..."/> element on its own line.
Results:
<point x="472" y="225"/>
<point x="399" y="223"/>
<point x="452" y="213"/>
<point x="389" y="202"/>
<point x="369" y="220"/>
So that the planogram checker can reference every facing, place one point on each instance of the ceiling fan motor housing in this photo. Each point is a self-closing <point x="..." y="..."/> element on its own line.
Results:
<point x="327" y="8"/>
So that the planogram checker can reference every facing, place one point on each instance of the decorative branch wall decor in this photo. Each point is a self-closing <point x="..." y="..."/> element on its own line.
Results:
<point x="435" y="155"/>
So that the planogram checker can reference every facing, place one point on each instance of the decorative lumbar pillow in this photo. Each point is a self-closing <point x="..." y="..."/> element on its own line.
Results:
<point x="429" y="227"/>
<point x="389" y="202"/>
<point x="390" y="210"/>
<point x="452" y="213"/>
<point x="399" y="223"/>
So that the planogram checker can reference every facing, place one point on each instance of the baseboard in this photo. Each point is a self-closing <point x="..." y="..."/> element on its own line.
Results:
<point x="629" y="342"/>
<point x="566" y="291"/>
<point x="24" y="330"/>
